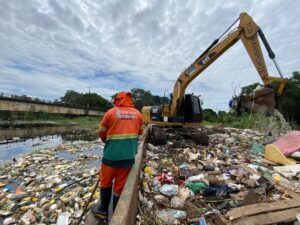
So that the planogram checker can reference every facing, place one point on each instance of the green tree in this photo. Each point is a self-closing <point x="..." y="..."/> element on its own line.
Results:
<point x="143" y="98"/>
<point x="247" y="90"/>
<point x="72" y="97"/>
<point x="210" y="115"/>
<point x="221" y="116"/>
<point x="95" y="101"/>
<point x="289" y="102"/>
<point x="91" y="100"/>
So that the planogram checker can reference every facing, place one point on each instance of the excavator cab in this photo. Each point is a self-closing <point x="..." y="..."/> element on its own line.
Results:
<point x="190" y="111"/>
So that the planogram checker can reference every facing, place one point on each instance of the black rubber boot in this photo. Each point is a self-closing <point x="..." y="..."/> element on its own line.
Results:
<point x="101" y="209"/>
<point x="115" y="201"/>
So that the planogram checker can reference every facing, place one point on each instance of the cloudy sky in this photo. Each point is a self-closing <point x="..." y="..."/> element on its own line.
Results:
<point x="50" y="46"/>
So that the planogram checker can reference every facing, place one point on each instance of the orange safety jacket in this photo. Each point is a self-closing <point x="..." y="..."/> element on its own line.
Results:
<point x="120" y="128"/>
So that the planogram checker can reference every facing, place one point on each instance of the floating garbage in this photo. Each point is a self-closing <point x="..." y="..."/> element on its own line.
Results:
<point x="51" y="185"/>
<point x="9" y="220"/>
<point x="63" y="218"/>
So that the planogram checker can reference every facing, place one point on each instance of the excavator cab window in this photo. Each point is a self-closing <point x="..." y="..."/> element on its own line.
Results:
<point x="191" y="109"/>
<point x="156" y="112"/>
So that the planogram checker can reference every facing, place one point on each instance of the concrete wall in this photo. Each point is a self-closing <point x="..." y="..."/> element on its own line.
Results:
<point x="22" y="106"/>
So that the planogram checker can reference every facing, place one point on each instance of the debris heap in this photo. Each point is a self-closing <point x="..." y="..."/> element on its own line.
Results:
<point x="186" y="183"/>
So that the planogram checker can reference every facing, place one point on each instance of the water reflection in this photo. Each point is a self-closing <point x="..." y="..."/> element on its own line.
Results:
<point x="70" y="133"/>
<point x="80" y="134"/>
<point x="32" y="132"/>
<point x="16" y="142"/>
<point x="16" y="149"/>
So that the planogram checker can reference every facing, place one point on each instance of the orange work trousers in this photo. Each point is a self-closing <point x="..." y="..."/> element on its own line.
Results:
<point x="108" y="174"/>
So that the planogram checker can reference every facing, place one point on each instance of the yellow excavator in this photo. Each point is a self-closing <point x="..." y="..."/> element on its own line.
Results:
<point x="185" y="109"/>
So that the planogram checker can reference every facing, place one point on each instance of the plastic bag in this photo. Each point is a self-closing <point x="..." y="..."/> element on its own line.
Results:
<point x="218" y="191"/>
<point x="171" y="216"/>
<point x="196" y="187"/>
<point x="257" y="149"/>
<point x="169" y="189"/>
<point x="195" y="178"/>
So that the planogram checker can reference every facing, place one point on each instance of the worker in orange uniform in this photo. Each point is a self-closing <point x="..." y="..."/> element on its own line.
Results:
<point x="119" y="130"/>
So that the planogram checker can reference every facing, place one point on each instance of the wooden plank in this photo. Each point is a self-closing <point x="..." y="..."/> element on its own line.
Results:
<point x="261" y="208"/>
<point x="288" y="215"/>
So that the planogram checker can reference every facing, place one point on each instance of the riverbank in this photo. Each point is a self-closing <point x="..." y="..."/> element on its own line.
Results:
<point x="91" y="122"/>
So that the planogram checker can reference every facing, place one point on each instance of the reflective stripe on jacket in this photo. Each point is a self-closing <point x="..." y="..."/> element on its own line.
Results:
<point x="119" y="130"/>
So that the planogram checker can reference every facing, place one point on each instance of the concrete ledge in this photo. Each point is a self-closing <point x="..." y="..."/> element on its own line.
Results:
<point x="23" y="106"/>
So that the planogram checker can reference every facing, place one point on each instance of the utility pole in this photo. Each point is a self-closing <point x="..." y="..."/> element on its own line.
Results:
<point x="88" y="103"/>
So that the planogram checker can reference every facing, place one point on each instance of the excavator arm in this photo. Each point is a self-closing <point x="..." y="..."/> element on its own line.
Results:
<point x="247" y="31"/>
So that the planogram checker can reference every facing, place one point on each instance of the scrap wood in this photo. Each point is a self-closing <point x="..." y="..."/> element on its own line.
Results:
<point x="216" y="201"/>
<point x="288" y="215"/>
<point x="261" y="208"/>
<point x="289" y="192"/>
<point x="265" y="161"/>
<point x="250" y="198"/>
<point x="192" y="205"/>
<point x="219" y="219"/>
<point x="250" y="170"/>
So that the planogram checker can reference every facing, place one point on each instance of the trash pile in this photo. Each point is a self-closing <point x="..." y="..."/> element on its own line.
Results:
<point x="186" y="183"/>
<point x="49" y="186"/>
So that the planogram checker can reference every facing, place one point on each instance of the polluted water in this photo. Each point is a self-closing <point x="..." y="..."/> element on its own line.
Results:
<point x="52" y="184"/>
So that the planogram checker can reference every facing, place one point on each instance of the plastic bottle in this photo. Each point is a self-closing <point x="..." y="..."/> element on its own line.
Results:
<point x="60" y="188"/>
<point x="63" y="218"/>
<point x="276" y="177"/>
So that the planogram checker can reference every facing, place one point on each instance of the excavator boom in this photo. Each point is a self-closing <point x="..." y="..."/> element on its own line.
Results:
<point x="248" y="31"/>
<point x="186" y="108"/>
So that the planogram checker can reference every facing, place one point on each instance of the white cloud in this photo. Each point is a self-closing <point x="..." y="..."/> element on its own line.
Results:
<point x="48" y="47"/>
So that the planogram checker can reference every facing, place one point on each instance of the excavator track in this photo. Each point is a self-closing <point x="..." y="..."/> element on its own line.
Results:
<point x="158" y="135"/>
<point x="198" y="136"/>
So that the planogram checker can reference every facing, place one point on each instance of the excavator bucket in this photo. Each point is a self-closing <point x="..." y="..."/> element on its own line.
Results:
<point x="261" y="100"/>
